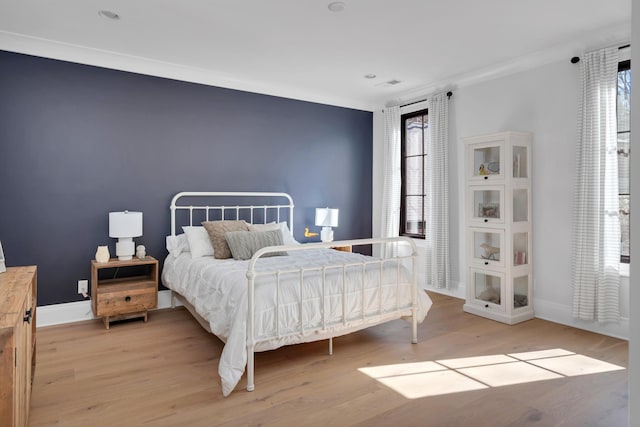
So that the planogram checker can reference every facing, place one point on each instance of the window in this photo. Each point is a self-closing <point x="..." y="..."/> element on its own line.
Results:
<point x="624" y="151"/>
<point x="414" y="134"/>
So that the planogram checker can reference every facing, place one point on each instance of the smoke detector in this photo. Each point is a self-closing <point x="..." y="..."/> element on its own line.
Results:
<point x="336" y="6"/>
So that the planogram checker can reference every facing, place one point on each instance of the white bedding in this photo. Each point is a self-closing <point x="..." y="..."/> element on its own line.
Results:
<point x="218" y="291"/>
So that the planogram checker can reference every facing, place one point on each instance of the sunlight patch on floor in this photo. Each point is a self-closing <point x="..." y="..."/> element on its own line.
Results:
<point x="431" y="384"/>
<point x="576" y="365"/>
<point x="467" y="362"/>
<point x="402" y="369"/>
<point x="508" y="374"/>
<point x="432" y="378"/>
<point x="530" y="355"/>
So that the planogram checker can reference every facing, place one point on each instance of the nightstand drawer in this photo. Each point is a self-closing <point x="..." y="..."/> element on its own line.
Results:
<point x="122" y="299"/>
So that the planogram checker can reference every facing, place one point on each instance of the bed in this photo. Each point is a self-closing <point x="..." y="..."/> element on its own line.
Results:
<point x="284" y="293"/>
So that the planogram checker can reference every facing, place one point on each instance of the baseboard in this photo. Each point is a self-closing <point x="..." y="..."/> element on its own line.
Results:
<point x="559" y="313"/>
<point x="58" y="314"/>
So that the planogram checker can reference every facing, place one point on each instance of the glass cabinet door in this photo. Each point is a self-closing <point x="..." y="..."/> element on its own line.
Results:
<point x="521" y="292"/>
<point x="486" y="204"/>
<point x="520" y="205"/>
<point x="487" y="246"/>
<point x="486" y="161"/>
<point x="488" y="288"/>
<point x="520" y="165"/>
<point x="520" y="249"/>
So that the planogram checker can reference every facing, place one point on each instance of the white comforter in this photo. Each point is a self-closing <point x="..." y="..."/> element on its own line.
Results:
<point x="218" y="291"/>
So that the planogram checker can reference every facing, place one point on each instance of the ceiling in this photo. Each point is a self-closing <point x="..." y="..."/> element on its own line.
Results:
<point x="300" y="49"/>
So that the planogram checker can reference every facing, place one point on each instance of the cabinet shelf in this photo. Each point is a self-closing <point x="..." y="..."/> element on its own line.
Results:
<point x="122" y="283"/>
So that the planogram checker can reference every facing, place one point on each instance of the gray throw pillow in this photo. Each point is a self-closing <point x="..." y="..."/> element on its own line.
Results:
<point x="243" y="244"/>
<point x="217" y="230"/>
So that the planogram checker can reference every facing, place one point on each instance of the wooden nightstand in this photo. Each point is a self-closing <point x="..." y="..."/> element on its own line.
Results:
<point x="119" y="296"/>
<point x="342" y="248"/>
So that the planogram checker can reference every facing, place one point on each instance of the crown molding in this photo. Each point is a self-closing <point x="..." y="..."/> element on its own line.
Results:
<point x="51" y="49"/>
<point x="613" y="35"/>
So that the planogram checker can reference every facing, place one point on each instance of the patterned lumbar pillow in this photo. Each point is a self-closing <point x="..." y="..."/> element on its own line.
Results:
<point x="244" y="244"/>
<point x="217" y="229"/>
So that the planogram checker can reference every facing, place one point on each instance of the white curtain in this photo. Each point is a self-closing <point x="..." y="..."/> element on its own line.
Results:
<point x="392" y="177"/>
<point x="596" y="238"/>
<point x="438" y="269"/>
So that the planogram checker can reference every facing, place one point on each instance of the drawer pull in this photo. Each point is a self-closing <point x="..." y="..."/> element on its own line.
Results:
<point x="486" y="177"/>
<point x="486" y="220"/>
<point x="127" y="298"/>
<point x="486" y="263"/>
<point x="486" y="306"/>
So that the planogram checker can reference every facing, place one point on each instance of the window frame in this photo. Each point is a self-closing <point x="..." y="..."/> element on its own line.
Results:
<point x="625" y="65"/>
<point x="403" y="171"/>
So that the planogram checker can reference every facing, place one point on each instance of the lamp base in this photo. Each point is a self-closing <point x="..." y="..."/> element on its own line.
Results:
<point x="326" y="235"/>
<point x="125" y="248"/>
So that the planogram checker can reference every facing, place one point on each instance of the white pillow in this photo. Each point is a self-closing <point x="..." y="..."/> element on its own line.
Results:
<point x="199" y="241"/>
<point x="287" y="238"/>
<point x="177" y="244"/>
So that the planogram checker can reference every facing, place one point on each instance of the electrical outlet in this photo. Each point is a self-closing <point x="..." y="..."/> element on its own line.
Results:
<point x="83" y="286"/>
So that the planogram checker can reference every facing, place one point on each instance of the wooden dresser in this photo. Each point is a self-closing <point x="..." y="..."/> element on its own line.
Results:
<point x="18" y="287"/>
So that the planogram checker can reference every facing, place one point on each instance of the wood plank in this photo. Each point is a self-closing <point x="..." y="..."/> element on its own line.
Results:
<point x="164" y="373"/>
<point x="7" y="374"/>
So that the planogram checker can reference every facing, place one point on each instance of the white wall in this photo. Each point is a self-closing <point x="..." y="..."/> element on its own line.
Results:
<point x="544" y="101"/>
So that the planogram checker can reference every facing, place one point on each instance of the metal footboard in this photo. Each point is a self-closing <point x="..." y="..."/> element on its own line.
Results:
<point x="323" y="331"/>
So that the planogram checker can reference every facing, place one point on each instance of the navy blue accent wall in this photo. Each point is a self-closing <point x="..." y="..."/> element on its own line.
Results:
<point x="77" y="142"/>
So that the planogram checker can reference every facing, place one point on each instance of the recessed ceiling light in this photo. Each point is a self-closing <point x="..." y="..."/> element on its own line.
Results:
<point x="370" y="76"/>
<point x="109" y="15"/>
<point x="336" y="6"/>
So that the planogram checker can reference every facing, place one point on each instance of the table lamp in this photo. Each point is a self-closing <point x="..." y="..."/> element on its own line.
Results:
<point x="326" y="218"/>
<point x="124" y="226"/>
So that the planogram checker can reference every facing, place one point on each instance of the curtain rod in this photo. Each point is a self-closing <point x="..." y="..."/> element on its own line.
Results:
<point x="422" y="100"/>
<point x="576" y="59"/>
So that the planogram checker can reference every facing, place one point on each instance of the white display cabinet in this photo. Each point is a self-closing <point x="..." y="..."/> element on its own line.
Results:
<point x="498" y="217"/>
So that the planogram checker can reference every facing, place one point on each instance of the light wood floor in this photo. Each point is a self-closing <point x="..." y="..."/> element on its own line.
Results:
<point x="164" y="373"/>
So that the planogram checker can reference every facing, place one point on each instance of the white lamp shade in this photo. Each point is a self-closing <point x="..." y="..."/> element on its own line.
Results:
<point x="125" y="224"/>
<point x="326" y="217"/>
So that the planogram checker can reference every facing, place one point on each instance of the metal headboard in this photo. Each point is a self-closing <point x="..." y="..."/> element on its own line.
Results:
<point x="278" y="207"/>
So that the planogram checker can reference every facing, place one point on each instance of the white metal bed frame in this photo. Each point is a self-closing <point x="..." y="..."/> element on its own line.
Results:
<point x="231" y="208"/>
<point x="366" y="320"/>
